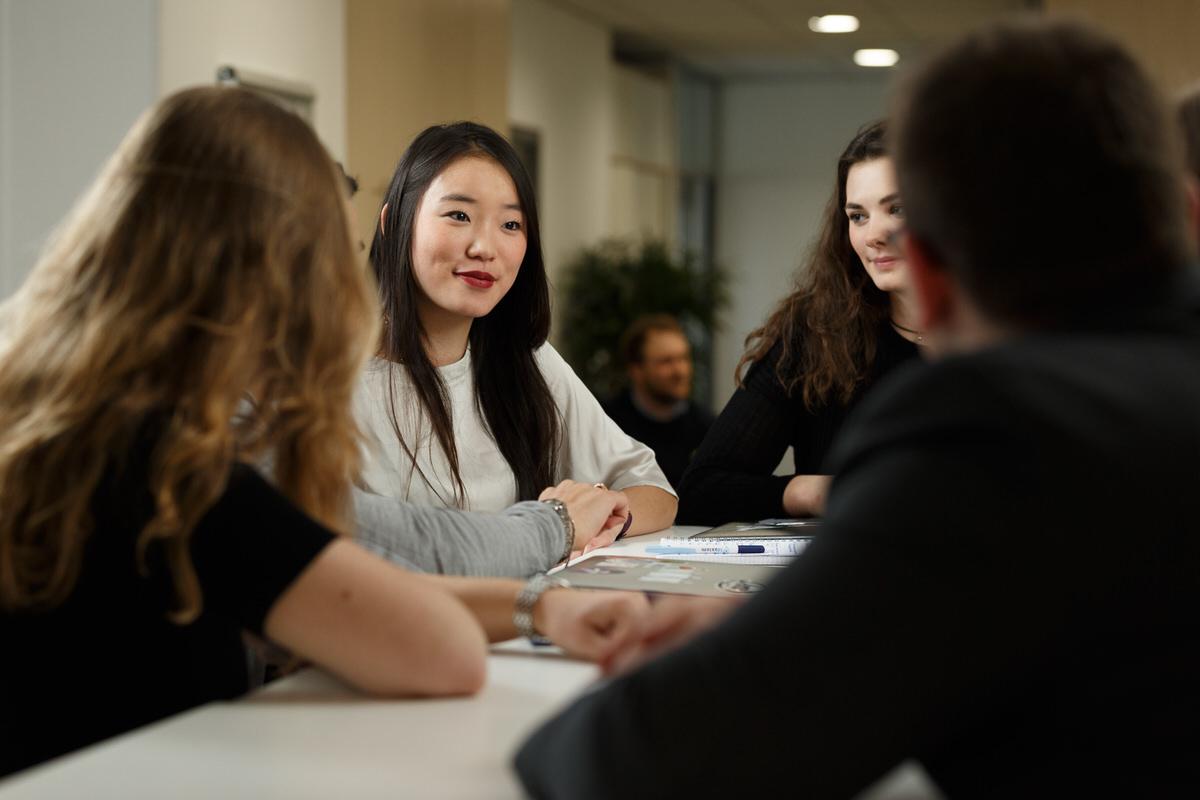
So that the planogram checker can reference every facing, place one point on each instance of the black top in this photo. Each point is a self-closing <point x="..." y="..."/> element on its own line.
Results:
<point x="731" y="476"/>
<point x="1005" y="589"/>
<point x="108" y="659"/>
<point x="673" y="442"/>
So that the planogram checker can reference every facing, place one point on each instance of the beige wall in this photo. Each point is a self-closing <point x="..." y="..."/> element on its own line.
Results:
<point x="562" y="87"/>
<point x="411" y="64"/>
<point x="644" y="187"/>
<point x="1163" y="34"/>
<point x="295" y="40"/>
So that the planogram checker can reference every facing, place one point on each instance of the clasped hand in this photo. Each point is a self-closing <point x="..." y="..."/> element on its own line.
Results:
<point x="622" y="630"/>
<point x="598" y="513"/>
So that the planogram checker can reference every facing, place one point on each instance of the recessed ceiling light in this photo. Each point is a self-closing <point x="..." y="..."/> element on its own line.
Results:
<point x="876" y="58"/>
<point x="833" y="23"/>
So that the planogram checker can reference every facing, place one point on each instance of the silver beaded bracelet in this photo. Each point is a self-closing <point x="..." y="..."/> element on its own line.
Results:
<point x="531" y="592"/>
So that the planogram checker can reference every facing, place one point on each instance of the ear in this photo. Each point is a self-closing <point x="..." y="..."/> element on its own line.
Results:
<point x="935" y="291"/>
<point x="382" y="217"/>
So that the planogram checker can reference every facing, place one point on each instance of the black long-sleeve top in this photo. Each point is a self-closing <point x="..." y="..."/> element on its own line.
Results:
<point x="977" y="601"/>
<point x="730" y="477"/>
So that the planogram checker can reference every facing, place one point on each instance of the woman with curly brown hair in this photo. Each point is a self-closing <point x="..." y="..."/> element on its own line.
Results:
<point x="849" y="321"/>
<point x="210" y="264"/>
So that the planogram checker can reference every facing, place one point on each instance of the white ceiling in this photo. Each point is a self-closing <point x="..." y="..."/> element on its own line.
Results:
<point x="731" y="37"/>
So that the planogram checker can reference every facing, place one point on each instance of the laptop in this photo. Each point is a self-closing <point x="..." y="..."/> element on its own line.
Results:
<point x="785" y="528"/>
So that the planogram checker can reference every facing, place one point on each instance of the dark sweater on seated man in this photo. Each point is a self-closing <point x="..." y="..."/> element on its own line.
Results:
<point x="1006" y="585"/>
<point x="674" y="436"/>
<point x="656" y="409"/>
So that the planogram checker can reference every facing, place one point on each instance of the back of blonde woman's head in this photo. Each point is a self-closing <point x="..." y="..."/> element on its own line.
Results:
<point x="210" y="262"/>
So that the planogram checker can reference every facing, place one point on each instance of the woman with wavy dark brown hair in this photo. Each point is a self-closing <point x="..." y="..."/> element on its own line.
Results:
<point x="849" y="321"/>
<point x="210" y="264"/>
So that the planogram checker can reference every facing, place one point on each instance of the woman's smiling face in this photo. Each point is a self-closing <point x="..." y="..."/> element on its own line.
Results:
<point x="875" y="216"/>
<point x="468" y="238"/>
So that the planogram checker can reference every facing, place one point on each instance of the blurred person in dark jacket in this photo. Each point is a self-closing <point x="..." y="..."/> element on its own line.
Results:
<point x="656" y="408"/>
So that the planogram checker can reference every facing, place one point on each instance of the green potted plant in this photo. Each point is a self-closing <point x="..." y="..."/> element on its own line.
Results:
<point x="608" y="286"/>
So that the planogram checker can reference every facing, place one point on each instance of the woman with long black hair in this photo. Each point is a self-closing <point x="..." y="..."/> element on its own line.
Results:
<point x="467" y="405"/>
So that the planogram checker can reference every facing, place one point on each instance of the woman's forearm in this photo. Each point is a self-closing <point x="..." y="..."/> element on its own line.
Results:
<point x="653" y="509"/>
<point x="490" y="600"/>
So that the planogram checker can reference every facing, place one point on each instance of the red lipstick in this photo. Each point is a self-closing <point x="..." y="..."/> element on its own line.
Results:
<point x="477" y="279"/>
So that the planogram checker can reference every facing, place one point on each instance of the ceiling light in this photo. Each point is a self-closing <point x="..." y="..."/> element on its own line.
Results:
<point x="833" y="23"/>
<point x="876" y="58"/>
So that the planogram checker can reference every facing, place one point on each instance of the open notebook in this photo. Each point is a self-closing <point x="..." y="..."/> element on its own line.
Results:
<point x="636" y="574"/>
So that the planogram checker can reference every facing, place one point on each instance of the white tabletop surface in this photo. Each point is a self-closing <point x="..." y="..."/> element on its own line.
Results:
<point x="308" y="736"/>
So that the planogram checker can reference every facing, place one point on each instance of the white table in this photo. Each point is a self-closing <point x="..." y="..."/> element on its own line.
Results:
<point x="308" y="736"/>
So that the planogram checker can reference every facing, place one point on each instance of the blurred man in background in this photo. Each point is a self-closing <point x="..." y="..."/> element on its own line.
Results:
<point x="657" y="409"/>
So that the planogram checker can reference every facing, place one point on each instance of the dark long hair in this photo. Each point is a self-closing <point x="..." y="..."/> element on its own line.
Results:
<point x="828" y="327"/>
<point x="510" y="392"/>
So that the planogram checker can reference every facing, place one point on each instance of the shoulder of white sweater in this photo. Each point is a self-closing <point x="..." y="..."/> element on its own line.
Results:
<point x="554" y="367"/>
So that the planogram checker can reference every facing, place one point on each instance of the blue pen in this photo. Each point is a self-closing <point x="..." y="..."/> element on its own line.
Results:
<point x="707" y="549"/>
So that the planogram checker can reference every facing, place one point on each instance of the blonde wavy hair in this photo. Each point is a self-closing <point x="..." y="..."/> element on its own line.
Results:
<point x="210" y="263"/>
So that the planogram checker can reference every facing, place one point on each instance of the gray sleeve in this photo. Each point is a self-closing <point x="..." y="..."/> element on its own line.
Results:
<point x="517" y="542"/>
